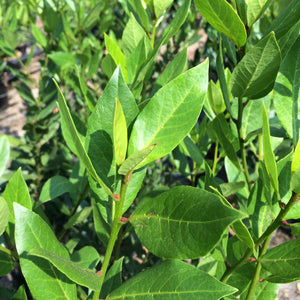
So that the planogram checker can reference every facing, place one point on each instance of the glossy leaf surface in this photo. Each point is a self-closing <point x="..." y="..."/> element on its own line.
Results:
<point x="170" y="280"/>
<point x="40" y="275"/>
<point x="255" y="8"/>
<point x="221" y="15"/>
<point x="4" y="153"/>
<point x="174" y="108"/>
<point x="257" y="69"/>
<point x="184" y="222"/>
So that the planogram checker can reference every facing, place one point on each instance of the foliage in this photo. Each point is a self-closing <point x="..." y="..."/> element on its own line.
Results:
<point x="106" y="198"/>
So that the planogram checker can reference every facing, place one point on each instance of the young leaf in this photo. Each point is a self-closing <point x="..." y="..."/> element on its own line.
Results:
<point x="174" y="108"/>
<point x="286" y="92"/>
<point x="283" y="262"/>
<point x="255" y="8"/>
<point x="221" y="15"/>
<point x="55" y="187"/>
<point x="295" y="182"/>
<point x="100" y="133"/>
<point x="117" y="54"/>
<point x="74" y="271"/>
<point x="160" y="6"/>
<point x="119" y="133"/>
<point x="269" y="157"/>
<point x="296" y="159"/>
<point x="257" y="69"/>
<point x="4" y="215"/>
<point x="40" y="275"/>
<point x="172" y="279"/>
<point x="172" y="225"/>
<point x="81" y="152"/>
<point x="131" y="163"/>
<point x="215" y="98"/>
<point x="113" y="278"/>
<point x="132" y="35"/>
<point x="4" y="153"/>
<point x="16" y="191"/>
<point x="141" y="12"/>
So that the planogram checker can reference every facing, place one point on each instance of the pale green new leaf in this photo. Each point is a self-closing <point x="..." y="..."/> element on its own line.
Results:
<point x="119" y="133"/>
<point x="255" y="8"/>
<point x="172" y="279"/>
<point x="74" y="271"/>
<point x="116" y="53"/>
<point x="81" y="152"/>
<point x="4" y="215"/>
<point x="174" y="108"/>
<point x="283" y="262"/>
<point x="131" y="163"/>
<point x="269" y="156"/>
<point x="33" y="231"/>
<point x="4" y="153"/>
<point x="160" y="6"/>
<point x="287" y="92"/>
<point x="258" y="68"/>
<point x="296" y="159"/>
<point x="184" y="222"/>
<point x="132" y="35"/>
<point x="215" y="98"/>
<point x="221" y="15"/>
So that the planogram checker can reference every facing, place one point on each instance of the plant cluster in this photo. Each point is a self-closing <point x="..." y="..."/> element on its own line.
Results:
<point x="154" y="177"/>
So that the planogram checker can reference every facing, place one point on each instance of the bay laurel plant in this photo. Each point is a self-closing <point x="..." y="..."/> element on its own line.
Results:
<point x="208" y="240"/>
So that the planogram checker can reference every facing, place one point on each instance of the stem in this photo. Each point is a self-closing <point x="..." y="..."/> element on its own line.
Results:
<point x="265" y="237"/>
<point x="116" y="226"/>
<point x="256" y="275"/>
<point x="215" y="159"/>
<point x="241" y="140"/>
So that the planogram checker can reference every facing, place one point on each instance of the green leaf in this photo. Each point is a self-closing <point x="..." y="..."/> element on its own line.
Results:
<point x="7" y="264"/>
<point x="16" y="191"/>
<point x="131" y="163"/>
<point x="141" y="12"/>
<point x="113" y="278"/>
<point x="81" y="152"/>
<point x="78" y="217"/>
<point x="191" y="150"/>
<point x="160" y="6"/>
<point x="20" y="294"/>
<point x="74" y="271"/>
<point x="286" y="19"/>
<point x="257" y="69"/>
<point x="63" y="59"/>
<point x="230" y="188"/>
<point x="116" y="53"/>
<point x="215" y="98"/>
<point x="174" y="69"/>
<point x="269" y="157"/>
<point x="223" y="134"/>
<point x="296" y="159"/>
<point x="38" y="35"/>
<point x="4" y="153"/>
<point x="287" y="92"/>
<point x="183" y="222"/>
<point x="283" y="262"/>
<point x="40" y="275"/>
<point x="55" y="187"/>
<point x="174" y="108"/>
<point x="119" y="133"/>
<point x="221" y="15"/>
<point x="172" y="280"/>
<point x="255" y="9"/>
<point x="101" y="227"/>
<point x="4" y="215"/>
<point x="93" y="16"/>
<point x="132" y="35"/>
<point x="87" y="257"/>
<point x="295" y="182"/>
<point x="99" y="139"/>
<point x="295" y="229"/>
